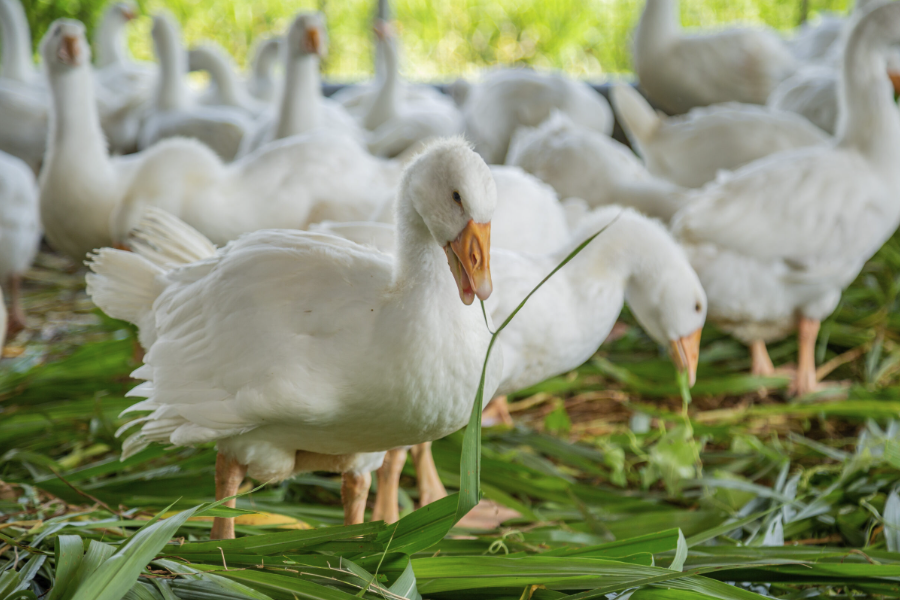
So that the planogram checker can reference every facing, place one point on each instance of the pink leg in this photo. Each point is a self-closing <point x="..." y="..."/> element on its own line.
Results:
<point x="229" y="475"/>
<point x="354" y="493"/>
<point x="16" y="320"/>
<point x="805" y="380"/>
<point x="430" y="486"/>
<point x="762" y="364"/>
<point x="497" y="411"/>
<point x="386" y="498"/>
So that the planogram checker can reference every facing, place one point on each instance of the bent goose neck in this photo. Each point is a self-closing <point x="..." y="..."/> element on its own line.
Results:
<point x="384" y="106"/>
<point x="301" y="97"/>
<point x="16" y="42"/>
<point x="659" y="23"/>
<point x="869" y="120"/>
<point x="222" y="74"/>
<point x="419" y="261"/>
<point x="261" y="71"/>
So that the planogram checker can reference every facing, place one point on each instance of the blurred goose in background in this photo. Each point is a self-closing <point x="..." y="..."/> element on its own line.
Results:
<point x="302" y="107"/>
<point x="397" y="120"/>
<point x="775" y="242"/>
<point x="635" y="261"/>
<point x="225" y="88"/>
<point x="813" y="90"/>
<point x="586" y="164"/>
<point x="261" y="83"/>
<point x="510" y="98"/>
<point x="20" y="234"/>
<point x="679" y="72"/>
<point x="90" y="200"/>
<point x="284" y="382"/>
<point x="175" y="113"/>
<point x="692" y="148"/>
<point x="23" y="96"/>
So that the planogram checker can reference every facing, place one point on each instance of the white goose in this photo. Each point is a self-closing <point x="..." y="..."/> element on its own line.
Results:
<point x="635" y="261"/>
<point x="20" y="233"/>
<point x="302" y="107"/>
<point x="509" y="98"/>
<point x="398" y="120"/>
<point x="679" y="72"/>
<point x="224" y="89"/>
<point x="175" y="114"/>
<point x="261" y="81"/>
<point x="84" y="192"/>
<point x="585" y="164"/>
<point x="302" y="303"/>
<point x="775" y="242"/>
<point x="23" y="99"/>
<point x="692" y="148"/>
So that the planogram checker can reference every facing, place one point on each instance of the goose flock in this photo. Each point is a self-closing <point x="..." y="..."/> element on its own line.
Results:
<point x="284" y="255"/>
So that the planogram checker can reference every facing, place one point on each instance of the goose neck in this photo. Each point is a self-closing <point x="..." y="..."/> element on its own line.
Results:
<point x="223" y="77"/>
<point x="869" y="120"/>
<point x="384" y="106"/>
<point x="419" y="259"/>
<point x="16" y="42"/>
<point x="301" y="97"/>
<point x="171" y="92"/>
<point x="111" y="49"/>
<point x="659" y="23"/>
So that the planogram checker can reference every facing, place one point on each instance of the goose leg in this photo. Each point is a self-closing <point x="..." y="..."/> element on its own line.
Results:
<point x="497" y="411"/>
<point x="386" y="501"/>
<point x="430" y="486"/>
<point x="354" y="493"/>
<point x="805" y="379"/>
<point x="16" y="320"/>
<point x="229" y="475"/>
<point x="761" y="363"/>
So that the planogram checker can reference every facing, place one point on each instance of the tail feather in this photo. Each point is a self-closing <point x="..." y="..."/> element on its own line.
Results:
<point x="638" y="118"/>
<point x="167" y="241"/>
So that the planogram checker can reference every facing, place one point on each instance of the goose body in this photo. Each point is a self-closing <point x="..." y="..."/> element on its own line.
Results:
<point x="306" y="399"/>
<point x="776" y="242"/>
<point x="302" y="108"/>
<point x="509" y="98"/>
<point x="20" y="231"/>
<point x="585" y="164"/>
<point x="679" y="72"/>
<point x="175" y="114"/>
<point x="691" y="149"/>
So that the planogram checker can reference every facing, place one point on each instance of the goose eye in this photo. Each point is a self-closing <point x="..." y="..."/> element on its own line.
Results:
<point x="457" y="198"/>
<point x="698" y="307"/>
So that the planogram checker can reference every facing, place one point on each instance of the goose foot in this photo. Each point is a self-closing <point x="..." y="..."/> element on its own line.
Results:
<point x="487" y="515"/>
<point x="386" y="497"/>
<point x="805" y="381"/>
<point x="430" y="486"/>
<point x="761" y="364"/>
<point x="229" y="475"/>
<point x="497" y="412"/>
<point x="354" y="493"/>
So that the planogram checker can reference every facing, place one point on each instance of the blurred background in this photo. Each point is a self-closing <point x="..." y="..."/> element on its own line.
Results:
<point x="442" y="39"/>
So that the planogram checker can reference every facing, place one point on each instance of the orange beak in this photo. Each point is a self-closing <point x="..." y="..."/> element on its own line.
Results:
<point x="895" y="80"/>
<point x="313" y="41"/>
<point x="469" y="256"/>
<point x="382" y="30"/>
<point x="128" y="14"/>
<point x="686" y="353"/>
<point x="69" y="50"/>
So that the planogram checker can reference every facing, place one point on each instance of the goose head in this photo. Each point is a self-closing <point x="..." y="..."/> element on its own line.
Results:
<point x="65" y="47"/>
<point x="308" y="36"/>
<point x="123" y="12"/>
<point x="669" y="302"/>
<point x="452" y="190"/>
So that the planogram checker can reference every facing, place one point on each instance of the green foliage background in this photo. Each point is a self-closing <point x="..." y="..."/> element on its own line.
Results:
<point x="442" y="39"/>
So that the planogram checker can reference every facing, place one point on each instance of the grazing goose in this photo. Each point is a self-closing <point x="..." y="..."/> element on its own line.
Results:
<point x="585" y="164"/>
<point x="304" y="333"/>
<point x="509" y="98"/>
<point x="692" y="148"/>
<point x="679" y="72"/>
<point x="775" y="242"/>
<point x="302" y="108"/>
<point x="397" y="120"/>
<point x="175" y="114"/>
<point x="635" y="261"/>
<point x="224" y="87"/>
<point x="20" y="233"/>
